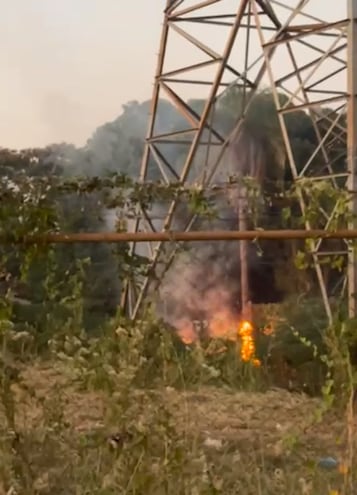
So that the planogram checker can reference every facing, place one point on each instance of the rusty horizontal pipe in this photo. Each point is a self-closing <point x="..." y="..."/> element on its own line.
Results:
<point x="176" y="236"/>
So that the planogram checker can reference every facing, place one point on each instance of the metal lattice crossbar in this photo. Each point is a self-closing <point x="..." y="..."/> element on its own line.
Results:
<point x="291" y="48"/>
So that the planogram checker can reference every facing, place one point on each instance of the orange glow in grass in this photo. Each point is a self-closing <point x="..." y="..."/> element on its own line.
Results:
<point x="187" y="335"/>
<point x="222" y="327"/>
<point x="245" y="331"/>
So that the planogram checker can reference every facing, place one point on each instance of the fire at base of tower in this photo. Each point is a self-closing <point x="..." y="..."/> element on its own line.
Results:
<point x="225" y="328"/>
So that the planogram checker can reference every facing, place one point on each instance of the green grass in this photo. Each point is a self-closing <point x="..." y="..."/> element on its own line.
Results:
<point x="81" y="423"/>
<point x="134" y="411"/>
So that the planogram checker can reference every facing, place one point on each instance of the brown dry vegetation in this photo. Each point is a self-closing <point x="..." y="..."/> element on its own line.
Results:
<point x="216" y="440"/>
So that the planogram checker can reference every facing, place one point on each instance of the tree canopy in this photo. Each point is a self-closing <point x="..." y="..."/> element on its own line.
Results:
<point x="116" y="148"/>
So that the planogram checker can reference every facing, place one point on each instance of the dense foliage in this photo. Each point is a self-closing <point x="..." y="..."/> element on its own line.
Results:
<point x="93" y="403"/>
<point x="103" y="201"/>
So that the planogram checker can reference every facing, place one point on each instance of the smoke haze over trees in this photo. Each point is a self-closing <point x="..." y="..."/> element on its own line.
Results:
<point x="214" y="268"/>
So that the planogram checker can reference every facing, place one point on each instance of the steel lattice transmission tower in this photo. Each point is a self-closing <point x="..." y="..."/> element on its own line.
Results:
<point x="306" y="49"/>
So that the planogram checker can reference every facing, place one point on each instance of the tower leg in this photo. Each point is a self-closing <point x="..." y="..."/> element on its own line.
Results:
<point x="352" y="148"/>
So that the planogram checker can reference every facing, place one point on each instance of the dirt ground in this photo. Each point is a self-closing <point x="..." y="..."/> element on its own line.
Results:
<point x="276" y="433"/>
<point x="276" y="423"/>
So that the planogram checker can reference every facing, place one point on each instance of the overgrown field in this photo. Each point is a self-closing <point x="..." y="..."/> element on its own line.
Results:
<point x="91" y="403"/>
<point x="136" y="412"/>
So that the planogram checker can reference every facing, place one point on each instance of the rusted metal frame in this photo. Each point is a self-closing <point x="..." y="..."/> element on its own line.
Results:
<point x="269" y="12"/>
<point x="184" y="141"/>
<point x="203" y="18"/>
<point x="240" y="119"/>
<point x="323" y="79"/>
<point x="188" y="68"/>
<point x="129" y="298"/>
<point x="321" y="116"/>
<point x="209" y="23"/>
<point x="205" y="49"/>
<point x="148" y="220"/>
<point x="236" y="129"/>
<point x="319" y="50"/>
<point x="309" y="65"/>
<point x="196" y="140"/>
<point x="240" y="75"/>
<point x="201" y="82"/>
<point x="336" y="175"/>
<point x="163" y="160"/>
<point x="315" y="126"/>
<point x="328" y="224"/>
<point x="174" y="4"/>
<point x="151" y="126"/>
<point x="210" y="20"/>
<point x="316" y="112"/>
<point x="320" y="147"/>
<point x="325" y="214"/>
<point x="243" y="256"/>
<point x="332" y="161"/>
<point x="344" y="285"/>
<point x="319" y="29"/>
<point x="183" y="108"/>
<point x="206" y="180"/>
<point x="301" y="11"/>
<point x="208" y="147"/>
<point x="208" y="51"/>
<point x="341" y="138"/>
<point x="198" y="6"/>
<point x="243" y="208"/>
<point x="302" y="174"/>
<point x="301" y="35"/>
<point x="159" y="138"/>
<point x="192" y="81"/>
<point x="195" y="42"/>
<point x="181" y="236"/>
<point x="352" y="149"/>
<point x="294" y="108"/>
<point x="156" y="94"/>
<point x="293" y="166"/>
<point x="226" y="24"/>
<point x="247" y="50"/>
<point x="331" y="253"/>
<point x="165" y="135"/>
<point x="172" y="256"/>
<point x="314" y="69"/>
<point x="160" y="165"/>
<point x="322" y="177"/>
<point x="187" y="111"/>
<point x="333" y="111"/>
<point x="331" y="215"/>
<point x="326" y="92"/>
<point x="227" y="218"/>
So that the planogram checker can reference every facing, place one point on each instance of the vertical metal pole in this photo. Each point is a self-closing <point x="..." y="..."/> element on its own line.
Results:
<point x="243" y="255"/>
<point x="352" y="147"/>
<point x="146" y="156"/>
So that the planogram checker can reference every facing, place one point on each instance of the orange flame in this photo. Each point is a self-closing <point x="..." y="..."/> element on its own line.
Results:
<point x="224" y="326"/>
<point x="245" y="331"/>
<point x="187" y="335"/>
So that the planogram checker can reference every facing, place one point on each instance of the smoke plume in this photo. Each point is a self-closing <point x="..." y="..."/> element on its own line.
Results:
<point x="204" y="281"/>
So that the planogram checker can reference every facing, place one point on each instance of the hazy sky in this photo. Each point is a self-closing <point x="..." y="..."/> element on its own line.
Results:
<point x="67" y="66"/>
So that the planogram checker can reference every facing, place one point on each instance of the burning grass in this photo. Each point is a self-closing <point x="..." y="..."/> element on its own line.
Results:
<point x="136" y="411"/>
<point x="226" y="328"/>
<point x="220" y="440"/>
